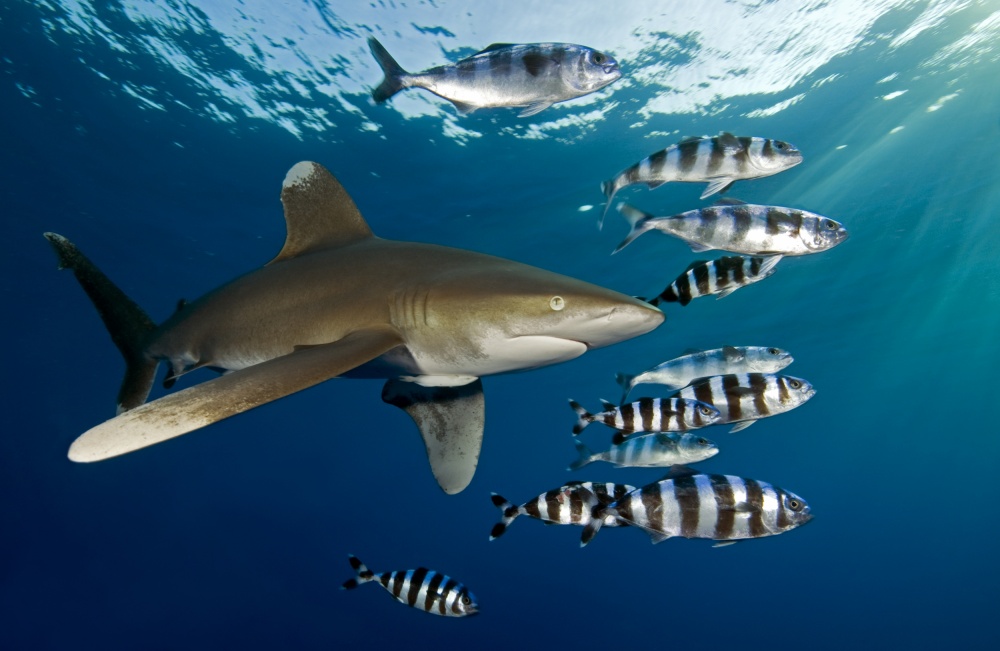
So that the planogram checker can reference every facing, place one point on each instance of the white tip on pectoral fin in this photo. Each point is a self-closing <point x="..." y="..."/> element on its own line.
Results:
<point x="231" y="394"/>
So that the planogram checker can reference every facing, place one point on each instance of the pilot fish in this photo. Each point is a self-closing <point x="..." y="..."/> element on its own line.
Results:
<point x="744" y="398"/>
<point x="681" y="371"/>
<point x="677" y="414"/>
<point x="741" y="228"/>
<point x="426" y="590"/>
<point x="723" y="277"/>
<point x="650" y="451"/>
<point x="571" y="503"/>
<point x="718" y="160"/>
<point x="724" y="508"/>
<point x="534" y="76"/>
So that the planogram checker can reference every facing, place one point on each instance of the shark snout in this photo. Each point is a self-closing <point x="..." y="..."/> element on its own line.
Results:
<point x="622" y="322"/>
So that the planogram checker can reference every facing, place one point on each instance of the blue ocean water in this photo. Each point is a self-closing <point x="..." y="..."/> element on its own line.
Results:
<point x="156" y="136"/>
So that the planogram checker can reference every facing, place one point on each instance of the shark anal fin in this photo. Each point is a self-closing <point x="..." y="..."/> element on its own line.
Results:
<point x="319" y="214"/>
<point x="231" y="394"/>
<point x="451" y="422"/>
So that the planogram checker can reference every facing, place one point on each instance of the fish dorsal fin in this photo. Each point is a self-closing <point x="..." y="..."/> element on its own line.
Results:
<point x="733" y="354"/>
<point x="729" y="141"/>
<point x="678" y="471"/>
<point x="729" y="201"/>
<point x="493" y="46"/>
<point x="696" y="263"/>
<point x="319" y="214"/>
<point x="690" y="139"/>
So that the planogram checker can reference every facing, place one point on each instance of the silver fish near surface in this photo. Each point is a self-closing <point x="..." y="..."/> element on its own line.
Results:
<point x="423" y="589"/>
<point x="717" y="160"/>
<point x="677" y="414"/>
<point x="681" y="371"/>
<point x="721" y="277"/>
<point x="745" y="398"/>
<point x="740" y="227"/>
<point x="532" y="75"/>
<point x="724" y="508"/>
<point x="571" y="503"/>
<point x="657" y="450"/>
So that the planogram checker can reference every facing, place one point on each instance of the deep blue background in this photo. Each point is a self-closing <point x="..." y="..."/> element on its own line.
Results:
<point x="237" y="536"/>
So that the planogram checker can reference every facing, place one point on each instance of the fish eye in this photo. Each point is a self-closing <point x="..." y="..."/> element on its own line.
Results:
<point x="557" y="303"/>
<point x="599" y="58"/>
<point x="702" y="441"/>
<point x="779" y="145"/>
<point x="772" y="351"/>
<point x="830" y="224"/>
<point x="465" y="600"/>
<point x="794" y="504"/>
<point x="795" y="384"/>
<point x="705" y="410"/>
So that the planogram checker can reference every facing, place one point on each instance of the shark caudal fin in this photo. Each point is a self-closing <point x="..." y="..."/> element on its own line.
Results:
<point x="395" y="76"/>
<point x="127" y="323"/>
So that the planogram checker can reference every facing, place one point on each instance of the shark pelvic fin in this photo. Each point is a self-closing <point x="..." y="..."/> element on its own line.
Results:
<point x="319" y="214"/>
<point x="231" y="394"/>
<point x="451" y="422"/>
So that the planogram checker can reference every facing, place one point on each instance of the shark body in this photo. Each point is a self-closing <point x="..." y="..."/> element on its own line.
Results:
<point x="339" y="301"/>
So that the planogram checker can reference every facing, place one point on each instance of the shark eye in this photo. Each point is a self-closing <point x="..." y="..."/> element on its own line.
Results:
<point x="557" y="303"/>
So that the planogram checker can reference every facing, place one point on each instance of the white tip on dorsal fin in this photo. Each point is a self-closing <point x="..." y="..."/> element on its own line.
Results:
<point x="319" y="214"/>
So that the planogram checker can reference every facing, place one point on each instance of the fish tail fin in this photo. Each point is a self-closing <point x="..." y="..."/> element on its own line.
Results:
<point x="638" y="221"/>
<point x="669" y="295"/>
<point x="395" y="76"/>
<point x="597" y="515"/>
<point x="363" y="574"/>
<point x="584" y="456"/>
<point x="508" y="511"/>
<point x="583" y="419"/>
<point x="609" y="188"/>
<point x="128" y="325"/>
<point x="625" y="381"/>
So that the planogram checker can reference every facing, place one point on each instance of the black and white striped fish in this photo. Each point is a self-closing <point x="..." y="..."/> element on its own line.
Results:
<point x="745" y="398"/>
<point x="739" y="227"/>
<point x="650" y="451"/>
<point x="533" y="75"/>
<point x="681" y="371"/>
<point x="571" y="503"/>
<point x="677" y="414"/>
<point x="722" y="277"/>
<point x="718" y="160"/>
<point x="724" y="508"/>
<point x="426" y="590"/>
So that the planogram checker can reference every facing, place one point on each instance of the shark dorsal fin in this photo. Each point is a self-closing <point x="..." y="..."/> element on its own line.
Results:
<point x="319" y="214"/>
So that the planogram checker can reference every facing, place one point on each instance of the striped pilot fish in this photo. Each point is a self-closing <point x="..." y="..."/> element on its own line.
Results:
<point x="721" y="277"/>
<point x="745" y="398"/>
<point x="571" y="503"/>
<point x="534" y="76"/>
<point x="738" y="227"/>
<point x="681" y="371"/>
<point x="426" y="590"/>
<point x="656" y="450"/>
<point x="677" y="414"/>
<point x="724" y="508"/>
<point x="718" y="160"/>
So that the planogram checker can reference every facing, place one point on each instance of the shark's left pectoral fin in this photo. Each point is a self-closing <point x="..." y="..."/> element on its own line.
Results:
<point x="231" y="394"/>
<point x="451" y="421"/>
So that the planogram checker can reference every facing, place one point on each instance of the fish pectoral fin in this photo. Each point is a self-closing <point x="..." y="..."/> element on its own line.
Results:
<point x="717" y="185"/>
<point x="741" y="426"/>
<point x="451" y="420"/>
<point x="231" y="394"/>
<point x="463" y="108"/>
<point x="724" y="543"/>
<point x="532" y="109"/>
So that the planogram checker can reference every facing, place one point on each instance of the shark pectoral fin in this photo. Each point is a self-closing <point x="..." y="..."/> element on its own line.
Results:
<point x="233" y="393"/>
<point x="451" y="422"/>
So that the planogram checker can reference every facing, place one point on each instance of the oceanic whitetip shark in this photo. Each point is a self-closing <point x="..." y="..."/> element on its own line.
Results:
<point x="338" y="301"/>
